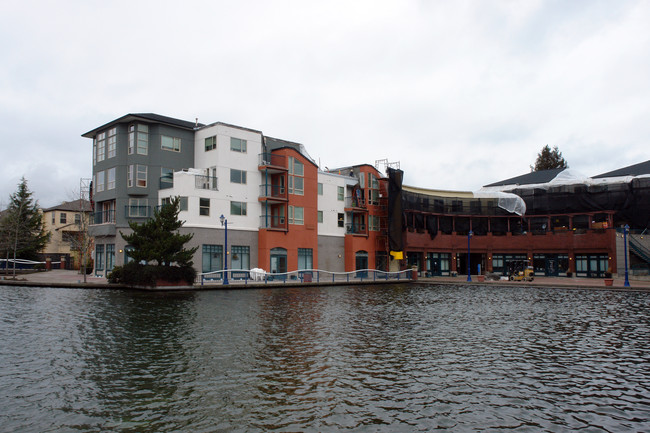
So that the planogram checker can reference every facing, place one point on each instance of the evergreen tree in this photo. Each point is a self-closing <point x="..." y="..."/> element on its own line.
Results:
<point x="157" y="240"/>
<point x="548" y="159"/>
<point x="22" y="225"/>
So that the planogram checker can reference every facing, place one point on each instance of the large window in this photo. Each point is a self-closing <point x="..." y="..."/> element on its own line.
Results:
<point x="170" y="143"/>
<point x="211" y="143"/>
<point x="241" y="257"/>
<point x="63" y="218"/>
<point x="305" y="258"/>
<point x="99" y="257"/>
<point x="320" y="216"/>
<point x="341" y="220"/>
<point x="237" y="176"/>
<point x="204" y="206"/>
<point x="212" y="258"/>
<point x="320" y="188"/>
<point x="373" y="222"/>
<point x="131" y="139"/>
<point x="296" y="215"/>
<point x="237" y="145"/>
<point x="112" y="142"/>
<point x="110" y="257"/>
<point x="138" y="208"/>
<point x="278" y="260"/>
<point x="296" y="173"/>
<point x="340" y="193"/>
<point x="143" y="140"/>
<point x="110" y="184"/>
<point x="100" y="181"/>
<point x="101" y="146"/>
<point x="166" y="177"/>
<point x="141" y="175"/>
<point x="237" y="208"/>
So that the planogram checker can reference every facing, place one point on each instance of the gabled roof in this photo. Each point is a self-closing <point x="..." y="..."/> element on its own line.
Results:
<point x="631" y="170"/>
<point x="535" y="177"/>
<point x="146" y="117"/>
<point x="70" y="206"/>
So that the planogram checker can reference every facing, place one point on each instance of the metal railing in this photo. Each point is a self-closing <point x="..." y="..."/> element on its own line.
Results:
<point x="102" y="217"/>
<point x="356" y="229"/>
<point x="273" y="222"/>
<point x="273" y="191"/>
<point x="244" y="276"/>
<point x="355" y="202"/>
<point x="206" y="182"/>
<point x="272" y="160"/>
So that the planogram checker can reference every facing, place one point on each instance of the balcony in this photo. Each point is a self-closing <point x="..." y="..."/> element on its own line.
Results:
<point x="358" y="203"/>
<point x="273" y="193"/>
<point x="356" y="229"/>
<point x="206" y="182"/>
<point x="273" y="163"/>
<point x="102" y="217"/>
<point x="271" y="222"/>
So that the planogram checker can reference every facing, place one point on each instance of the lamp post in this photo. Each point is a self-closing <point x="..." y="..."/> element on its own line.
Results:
<point x="224" y="223"/>
<point x="626" y="229"/>
<point x="469" y="236"/>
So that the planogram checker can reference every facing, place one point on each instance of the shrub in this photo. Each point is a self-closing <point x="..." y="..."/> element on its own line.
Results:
<point x="135" y="274"/>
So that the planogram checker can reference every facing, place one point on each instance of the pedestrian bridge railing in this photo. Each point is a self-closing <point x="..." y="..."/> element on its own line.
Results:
<point x="238" y="276"/>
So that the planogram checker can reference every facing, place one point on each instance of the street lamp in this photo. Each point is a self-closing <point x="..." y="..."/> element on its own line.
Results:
<point x="224" y="223"/>
<point x="626" y="229"/>
<point x="469" y="235"/>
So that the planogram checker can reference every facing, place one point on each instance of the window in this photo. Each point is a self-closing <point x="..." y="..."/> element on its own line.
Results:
<point x="237" y="176"/>
<point x="373" y="222"/>
<point x="63" y="218"/>
<point x="210" y="143"/>
<point x="94" y="151"/>
<point x="138" y="208"/>
<point x="237" y="208"/>
<point x="143" y="140"/>
<point x="373" y="183"/>
<point x="110" y="183"/>
<point x="183" y="204"/>
<point x="296" y="181"/>
<point x="99" y="257"/>
<point x="53" y="217"/>
<point x="341" y="220"/>
<point x="296" y="215"/>
<point x="320" y="189"/>
<point x="77" y="218"/>
<point x="341" y="193"/>
<point x="305" y="258"/>
<point x="212" y="258"/>
<point x="241" y="257"/>
<point x="170" y="143"/>
<point x="131" y="139"/>
<point x="110" y="257"/>
<point x="166" y="177"/>
<point x="141" y="175"/>
<point x="112" y="142"/>
<point x="130" y="175"/>
<point x="100" y="182"/>
<point x="204" y="206"/>
<point x="320" y="216"/>
<point x="237" y="145"/>
<point x="101" y="146"/>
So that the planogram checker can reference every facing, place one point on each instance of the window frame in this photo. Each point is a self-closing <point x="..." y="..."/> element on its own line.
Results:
<point x="236" y="173"/>
<point x="174" y="146"/>
<point x="243" y="208"/>
<point x="204" y="206"/>
<point x="242" y="146"/>
<point x="212" y="145"/>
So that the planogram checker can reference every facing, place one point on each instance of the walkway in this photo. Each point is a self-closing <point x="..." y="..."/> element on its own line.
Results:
<point x="64" y="278"/>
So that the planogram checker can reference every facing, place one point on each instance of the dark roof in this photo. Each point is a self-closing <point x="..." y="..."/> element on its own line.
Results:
<point x="631" y="170"/>
<point x="147" y="117"/>
<point x="277" y="143"/>
<point x="71" y="206"/>
<point x="542" y="176"/>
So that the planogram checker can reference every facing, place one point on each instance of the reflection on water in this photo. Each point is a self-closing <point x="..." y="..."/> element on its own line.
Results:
<point x="394" y="358"/>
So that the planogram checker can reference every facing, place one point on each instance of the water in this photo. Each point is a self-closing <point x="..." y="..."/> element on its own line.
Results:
<point x="386" y="358"/>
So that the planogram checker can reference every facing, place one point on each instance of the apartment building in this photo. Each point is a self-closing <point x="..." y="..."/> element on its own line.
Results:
<point x="65" y="222"/>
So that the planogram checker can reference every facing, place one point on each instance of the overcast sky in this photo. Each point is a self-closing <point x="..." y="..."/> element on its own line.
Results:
<point x="461" y="93"/>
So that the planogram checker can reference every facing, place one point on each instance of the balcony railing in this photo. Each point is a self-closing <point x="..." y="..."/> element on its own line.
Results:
<point x="268" y="159"/>
<point x="103" y="217"/>
<point x="356" y="229"/>
<point x="137" y="211"/>
<point x="273" y="192"/>
<point x="273" y="222"/>
<point x="355" y="202"/>
<point x="206" y="182"/>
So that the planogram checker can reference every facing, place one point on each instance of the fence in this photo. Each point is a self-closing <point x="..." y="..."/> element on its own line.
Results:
<point x="8" y="264"/>
<point x="240" y="276"/>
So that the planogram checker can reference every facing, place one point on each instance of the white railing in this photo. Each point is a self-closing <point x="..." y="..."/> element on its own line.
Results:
<point x="243" y="276"/>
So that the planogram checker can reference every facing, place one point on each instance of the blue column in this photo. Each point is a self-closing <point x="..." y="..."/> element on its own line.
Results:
<point x="625" y="230"/>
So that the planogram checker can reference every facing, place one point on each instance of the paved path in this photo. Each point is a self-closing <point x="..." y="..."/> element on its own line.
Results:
<point x="59" y="278"/>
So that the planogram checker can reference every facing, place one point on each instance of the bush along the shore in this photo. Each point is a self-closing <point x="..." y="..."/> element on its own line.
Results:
<point x="137" y="274"/>
<point x="158" y="253"/>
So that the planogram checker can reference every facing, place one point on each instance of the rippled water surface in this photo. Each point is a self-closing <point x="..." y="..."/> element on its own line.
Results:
<point x="388" y="358"/>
